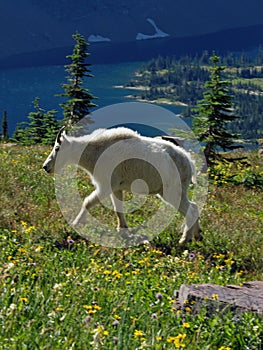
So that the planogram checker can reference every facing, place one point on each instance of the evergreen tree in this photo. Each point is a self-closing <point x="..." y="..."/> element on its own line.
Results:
<point x="5" y="135"/>
<point x="79" y="100"/>
<point x="32" y="132"/>
<point x="41" y="128"/>
<point x="35" y="131"/>
<point x="214" y="113"/>
<point x="52" y="126"/>
<point x="18" y="134"/>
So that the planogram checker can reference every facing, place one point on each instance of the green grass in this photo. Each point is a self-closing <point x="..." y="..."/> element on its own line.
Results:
<point x="58" y="291"/>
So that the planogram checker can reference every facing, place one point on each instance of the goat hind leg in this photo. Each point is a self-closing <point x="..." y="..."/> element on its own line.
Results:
<point x="188" y="209"/>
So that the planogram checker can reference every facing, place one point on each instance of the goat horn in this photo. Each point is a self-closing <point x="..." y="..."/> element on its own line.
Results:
<point x="60" y="133"/>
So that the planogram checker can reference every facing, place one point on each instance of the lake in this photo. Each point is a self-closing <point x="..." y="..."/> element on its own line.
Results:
<point x="20" y="86"/>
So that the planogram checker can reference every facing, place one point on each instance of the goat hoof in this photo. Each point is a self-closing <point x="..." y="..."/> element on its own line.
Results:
<point x="198" y="235"/>
<point x="78" y="222"/>
<point x="182" y="241"/>
<point x="74" y="224"/>
<point x="122" y="229"/>
<point x="185" y="240"/>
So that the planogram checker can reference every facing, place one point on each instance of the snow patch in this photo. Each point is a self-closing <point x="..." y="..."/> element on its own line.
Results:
<point x="158" y="32"/>
<point x="97" y="38"/>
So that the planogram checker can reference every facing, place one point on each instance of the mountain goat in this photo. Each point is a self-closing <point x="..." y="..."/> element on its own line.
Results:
<point x="120" y="159"/>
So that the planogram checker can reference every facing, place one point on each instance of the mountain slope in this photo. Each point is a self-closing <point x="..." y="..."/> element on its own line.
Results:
<point x="34" y="25"/>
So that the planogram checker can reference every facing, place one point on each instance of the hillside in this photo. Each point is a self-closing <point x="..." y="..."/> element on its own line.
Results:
<point x="59" y="291"/>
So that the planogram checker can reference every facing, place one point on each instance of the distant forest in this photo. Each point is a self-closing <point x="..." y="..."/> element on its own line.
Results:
<point x="182" y="79"/>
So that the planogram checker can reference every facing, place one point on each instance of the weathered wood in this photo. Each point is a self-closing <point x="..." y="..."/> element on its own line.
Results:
<point x="245" y="298"/>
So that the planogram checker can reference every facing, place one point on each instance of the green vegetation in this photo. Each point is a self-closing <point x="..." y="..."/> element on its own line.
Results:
<point x="41" y="128"/>
<point x="59" y="291"/>
<point x="182" y="80"/>
<point x="4" y="135"/>
<point x="213" y="115"/>
<point x="79" y="99"/>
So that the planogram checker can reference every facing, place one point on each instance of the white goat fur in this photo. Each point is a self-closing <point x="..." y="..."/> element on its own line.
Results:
<point x="136" y="158"/>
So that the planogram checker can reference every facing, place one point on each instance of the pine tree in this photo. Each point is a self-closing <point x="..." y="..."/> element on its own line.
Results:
<point x="52" y="126"/>
<point x="5" y="135"/>
<point x="79" y="100"/>
<point x="18" y="134"/>
<point x="214" y="113"/>
<point x="36" y="130"/>
<point x="41" y="128"/>
<point x="32" y="132"/>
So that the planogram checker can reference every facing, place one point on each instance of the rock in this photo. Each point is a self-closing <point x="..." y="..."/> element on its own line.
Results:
<point x="245" y="298"/>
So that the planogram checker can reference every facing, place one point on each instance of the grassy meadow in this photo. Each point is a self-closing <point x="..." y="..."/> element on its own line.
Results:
<point x="59" y="291"/>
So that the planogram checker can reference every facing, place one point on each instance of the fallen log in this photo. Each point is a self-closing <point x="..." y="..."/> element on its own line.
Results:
<point x="239" y="299"/>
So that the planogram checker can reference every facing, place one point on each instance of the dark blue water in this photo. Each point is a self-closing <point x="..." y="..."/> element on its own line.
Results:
<point x="20" y="86"/>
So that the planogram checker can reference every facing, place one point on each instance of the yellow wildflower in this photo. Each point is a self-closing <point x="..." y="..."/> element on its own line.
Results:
<point x="186" y="325"/>
<point x="98" y="330"/>
<point x="59" y="308"/>
<point x="228" y="261"/>
<point x="156" y="251"/>
<point x="177" y="341"/>
<point x="38" y="249"/>
<point x="29" y="229"/>
<point x="219" y="256"/>
<point x="87" y="307"/>
<point x="215" y="296"/>
<point x="97" y="307"/>
<point x="22" y="250"/>
<point x="117" y="274"/>
<point x="24" y="300"/>
<point x="138" y="333"/>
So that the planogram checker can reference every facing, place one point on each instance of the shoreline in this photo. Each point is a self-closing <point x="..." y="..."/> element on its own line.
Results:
<point x="158" y="101"/>
<point x="139" y="87"/>
<point x="164" y="101"/>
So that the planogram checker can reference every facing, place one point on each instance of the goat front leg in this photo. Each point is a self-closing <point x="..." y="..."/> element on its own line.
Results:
<point x="117" y="201"/>
<point x="93" y="199"/>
